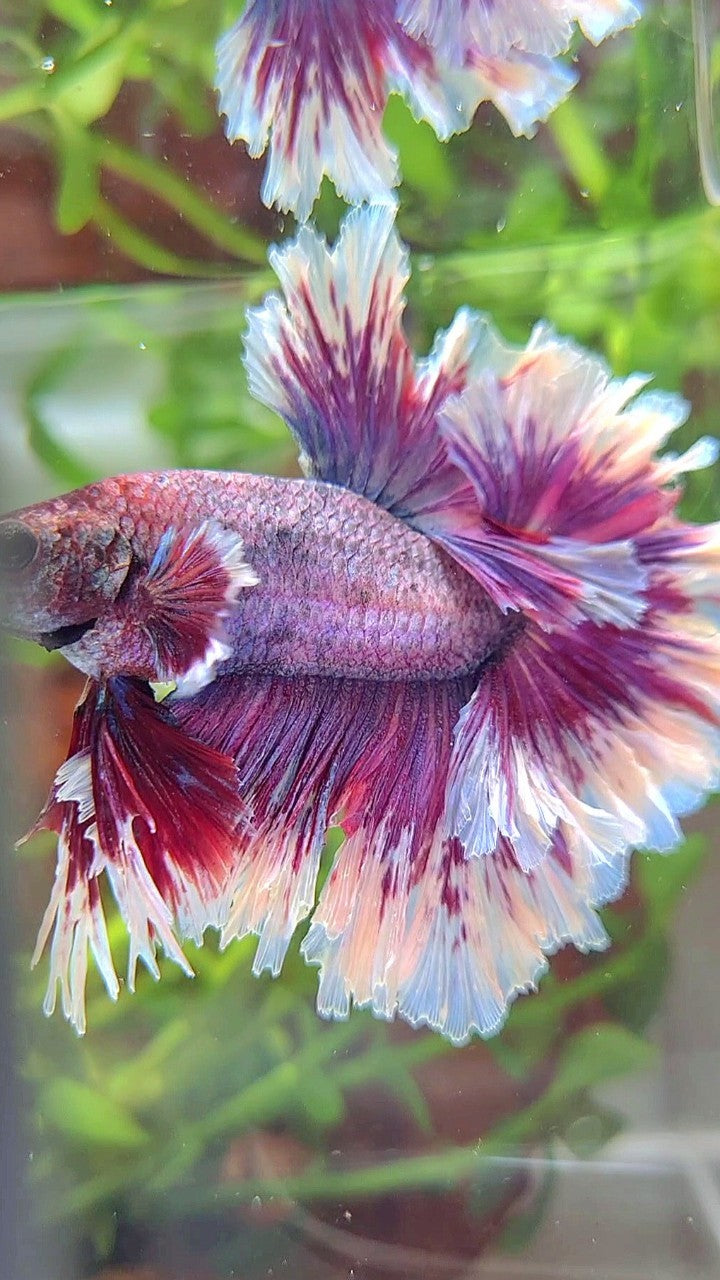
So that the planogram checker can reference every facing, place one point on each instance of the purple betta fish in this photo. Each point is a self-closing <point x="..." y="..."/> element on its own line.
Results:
<point x="478" y="637"/>
<point x="311" y="78"/>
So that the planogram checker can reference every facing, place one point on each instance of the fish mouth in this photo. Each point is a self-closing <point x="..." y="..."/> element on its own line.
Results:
<point x="64" y="636"/>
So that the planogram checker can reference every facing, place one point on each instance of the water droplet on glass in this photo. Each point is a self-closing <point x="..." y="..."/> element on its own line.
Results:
<point x="584" y="193"/>
<point x="142" y="346"/>
<point x="425" y="262"/>
<point x="48" y="65"/>
<point x="500" y="224"/>
<point x="256" y="1203"/>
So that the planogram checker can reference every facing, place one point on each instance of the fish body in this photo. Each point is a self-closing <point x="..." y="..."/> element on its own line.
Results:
<point x="478" y="637"/>
<point x="343" y="587"/>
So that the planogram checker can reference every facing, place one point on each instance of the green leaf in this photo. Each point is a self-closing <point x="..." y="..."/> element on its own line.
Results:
<point x="103" y="1233"/>
<point x="424" y="162"/>
<point x="595" y="1055"/>
<point x="520" y="1051"/>
<point x="89" y="1117"/>
<point x="637" y="1000"/>
<point x="663" y="879"/>
<point x="87" y="88"/>
<point x="84" y="16"/>
<point x="206" y="412"/>
<point x="322" y="1101"/>
<point x="538" y="208"/>
<point x="79" y="177"/>
<point x="143" y="1079"/>
<point x="522" y="1227"/>
<point x="575" y="128"/>
<point x="61" y="461"/>
<point x="185" y="95"/>
<point x="402" y="1085"/>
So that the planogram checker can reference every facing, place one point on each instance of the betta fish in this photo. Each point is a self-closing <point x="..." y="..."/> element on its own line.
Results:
<point x="477" y="636"/>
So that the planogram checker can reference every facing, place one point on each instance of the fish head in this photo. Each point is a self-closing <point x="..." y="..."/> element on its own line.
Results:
<point x="126" y="577"/>
<point x="63" y="564"/>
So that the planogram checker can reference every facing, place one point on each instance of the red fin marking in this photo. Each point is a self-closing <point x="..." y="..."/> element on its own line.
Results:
<point x="295" y="743"/>
<point x="557" y="510"/>
<point x="601" y="736"/>
<point x="563" y="462"/>
<point x="156" y="810"/>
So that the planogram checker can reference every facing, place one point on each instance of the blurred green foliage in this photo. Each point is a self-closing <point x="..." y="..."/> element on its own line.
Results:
<point x="598" y="225"/>
<point x="68" y="61"/>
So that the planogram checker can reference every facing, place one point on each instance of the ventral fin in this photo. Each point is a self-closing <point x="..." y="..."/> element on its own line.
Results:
<point x="158" y="812"/>
<point x="372" y="756"/>
<point x="188" y="594"/>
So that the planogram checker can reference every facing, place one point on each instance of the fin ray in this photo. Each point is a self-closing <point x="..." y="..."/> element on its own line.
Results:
<point x="185" y="598"/>
<point x="560" y="457"/>
<point x="332" y="359"/>
<point x="157" y="812"/>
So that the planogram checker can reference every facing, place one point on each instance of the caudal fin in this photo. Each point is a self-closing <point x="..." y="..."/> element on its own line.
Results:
<point x="310" y="82"/>
<point x="575" y="748"/>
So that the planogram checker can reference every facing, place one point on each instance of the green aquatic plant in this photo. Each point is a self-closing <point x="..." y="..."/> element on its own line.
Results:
<point x="138" y="1122"/>
<point x="66" y="63"/>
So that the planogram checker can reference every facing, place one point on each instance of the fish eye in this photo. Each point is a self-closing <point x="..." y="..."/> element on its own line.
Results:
<point x="18" y="546"/>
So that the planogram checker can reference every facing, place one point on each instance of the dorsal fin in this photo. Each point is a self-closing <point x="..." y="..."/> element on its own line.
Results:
<point x="331" y="358"/>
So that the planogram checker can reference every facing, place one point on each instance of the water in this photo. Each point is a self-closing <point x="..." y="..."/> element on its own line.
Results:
<point x="218" y="1128"/>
